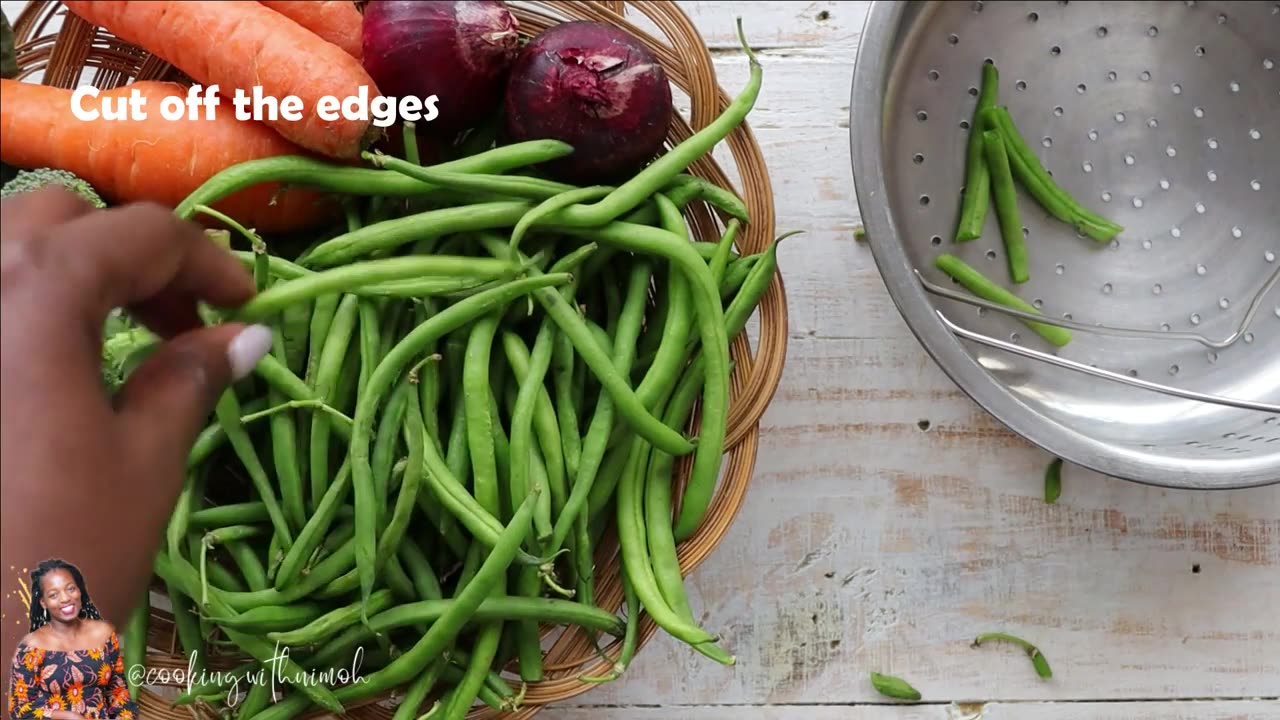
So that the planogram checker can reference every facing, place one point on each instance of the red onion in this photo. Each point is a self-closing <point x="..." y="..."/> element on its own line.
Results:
<point x="458" y="50"/>
<point x="597" y="88"/>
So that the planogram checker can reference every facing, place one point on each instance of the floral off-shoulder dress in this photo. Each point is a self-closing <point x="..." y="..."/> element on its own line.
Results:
<point x="86" y="682"/>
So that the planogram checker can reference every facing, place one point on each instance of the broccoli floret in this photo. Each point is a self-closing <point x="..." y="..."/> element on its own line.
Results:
<point x="123" y="349"/>
<point x="29" y="180"/>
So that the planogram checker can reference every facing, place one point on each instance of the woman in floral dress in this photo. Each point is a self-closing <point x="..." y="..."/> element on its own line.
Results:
<point x="70" y="666"/>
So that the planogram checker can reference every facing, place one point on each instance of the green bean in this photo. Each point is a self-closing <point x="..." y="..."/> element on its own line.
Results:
<point x="636" y="561"/>
<point x="1006" y="202"/>
<point x="385" y="374"/>
<point x="562" y="362"/>
<point x="332" y="355"/>
<point x="255" y="700"/>
<point x="510" y="185"/>
<point x="177" y="572"/>
<point x="398" y="580"/>
<point x="419" y="568"/>
<point x="386" y="441"/>
<point x="429" y="378"/>
<point x="415" y="438"/>
<point x="212" y="437"/>
<point x="1038" y="660"/>
<point x="611" y="469"/>
<point x="476" y="398"/>
<point x="894" y="687"/>
<point x="720" y="262"/>
<point x="284" y="449"/>
<point x="441" y="633"/>
<point x="227" y="411"/>
<point x="1033" y="176"/>
<point x="484" y="647"/>
<point x="718" y="197"/>
<point x="665" y="168"/>
<point x="281" y="378"/>
<point x="630" y="637"/>
<point x="753" y="288"/>
<point x="135" y="642"/>
<point x="417" y="692"/>
<point x="976" y="196"/>
<point x="534" y="410"/>
<point x="309" y="172"/>
<point x="312" y="534"/>
<point x="552" y="205"/>
<point x="736" y="275"/>
<point x="271" y="618"/>
<point x="679" y="322"/>
<point x="984" y="288"/>
<point x="251" y="569"/>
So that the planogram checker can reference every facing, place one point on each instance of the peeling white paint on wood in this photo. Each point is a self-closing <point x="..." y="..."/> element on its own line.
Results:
<point x="1210" y="710"/>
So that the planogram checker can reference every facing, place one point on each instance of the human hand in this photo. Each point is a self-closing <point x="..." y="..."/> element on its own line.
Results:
<point x="76" y="460"/>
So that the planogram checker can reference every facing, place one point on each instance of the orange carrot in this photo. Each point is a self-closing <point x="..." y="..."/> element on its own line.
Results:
<point x="149" y="159"/>
<point x="337" y="21"/>
<point x="240" y="44"/>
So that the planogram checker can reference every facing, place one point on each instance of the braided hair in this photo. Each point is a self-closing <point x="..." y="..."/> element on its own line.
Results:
<point x="40" y="616"/>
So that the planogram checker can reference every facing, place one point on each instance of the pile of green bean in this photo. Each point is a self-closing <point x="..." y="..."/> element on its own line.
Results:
<point x="996" y="156"/>
<point x="472" y="382"/>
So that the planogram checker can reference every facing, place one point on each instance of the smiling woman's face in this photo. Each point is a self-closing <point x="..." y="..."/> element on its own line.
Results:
<point x="60" y="595"/>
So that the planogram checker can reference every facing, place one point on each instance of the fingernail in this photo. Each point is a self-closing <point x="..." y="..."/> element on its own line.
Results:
<point x="247" y="349"/>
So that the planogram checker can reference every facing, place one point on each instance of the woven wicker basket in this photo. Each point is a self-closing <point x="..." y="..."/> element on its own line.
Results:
<point x="77" y="52"/>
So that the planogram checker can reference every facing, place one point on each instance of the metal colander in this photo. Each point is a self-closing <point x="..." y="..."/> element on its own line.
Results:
<point x="1162" y="116"/>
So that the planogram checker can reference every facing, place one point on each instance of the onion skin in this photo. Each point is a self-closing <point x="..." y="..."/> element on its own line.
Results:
<point x="458" y="50"/>
<point x="597" y="88"/>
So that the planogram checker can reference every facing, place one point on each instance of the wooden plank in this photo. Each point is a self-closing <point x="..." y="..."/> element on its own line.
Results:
<point x="1207" y="710"/>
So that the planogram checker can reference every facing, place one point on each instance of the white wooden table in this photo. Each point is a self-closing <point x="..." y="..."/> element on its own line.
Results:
<point x="890" y="519"/>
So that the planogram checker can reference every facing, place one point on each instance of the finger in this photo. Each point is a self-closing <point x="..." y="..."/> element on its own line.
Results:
<point x="128" y="255"/>
<point x="30" y="214"/>
<point x="168" y="314"/>
<point x="168" y="399"/>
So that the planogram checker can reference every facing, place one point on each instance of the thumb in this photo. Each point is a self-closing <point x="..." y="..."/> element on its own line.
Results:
<point x="167" y="400"/>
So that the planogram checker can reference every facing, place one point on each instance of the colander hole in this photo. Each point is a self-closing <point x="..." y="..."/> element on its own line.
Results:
<point x="1164" y="327"/>
<point x="1119" y="117"/>
<point x="1212" y="143"/>
<point x="977" y="6"/>
<point x="1190" y="3"/>
<point x="1176" y="88"/>
<point x="1037" y="303"/>
<point x="1237" y="232"/>
<point x="1256" y="185"/>
<point x="934" y="75"/>
<point x="964" y="124"/>
<point x="1146" y="244"/>
<point x="1153" y="123"/>
<point x="973" y="91"/>
<point x="1106" y="288"/>
<point x="1033" y="17"/>
<point x="1060" y="268"/>
<point x="1255" y="134"/>
<point x="1093" y="135"/>
<point x="953" y="39"/>
<point x="1144" y="76"/>
<point x="1195" y="318"/>
<point x="1153" y="31"/>
<point x="1269" y="256"/>
<point x="1081" y="88"/>
<point x="1087" y="166"/>
<point x="1164" y="184"/>
<point x="1199" y="51"/>
<point x="1198" y="111"/>
<point x="991" y="254"/>
<point x="1235" y="86"/>
<point x="1170" y="150"/>
<point x="1102" y="31"/>
<point x="1224" y="303"/>
<point x="1112" y="76"/>
<point x="1213" y="176"/>
<point x="1269" y="421"/>
<point x="1133" y="373"/>
<point x="1229" y="436"/>
<point x="1130" y="159"/>
<point x="1055" y="51"/>
<point x="1014" y="337"/>
<point x="1200" y="208"/>
<point x="1026" y="231"/>
<point x="1157" y="289"/>
<point x="1137" y="202"/>
<point x="1175" y="231"/>
<point x="1248" y="337"/>
<point x="1020" y="85"/>
<point x="917" y="159"/>
<point x="1048" y="142"/>
<point x="935" y="240"/>
<point x="924" y="199"/>
<point x="1066" y="316"/>
<point x="1212" y="357"/>
<point x="1106" y="196"/>
<point x="1222" y="18"/>
<point x="1057" y="111"/>
<point x="982" y="312"/>
<point x="1173" y="369"/>
<point x="1268" y="64"/>
<point x="922" y="116"/>
<point x="1115" y="244"/>
<point x="1201" y="269"/>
